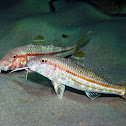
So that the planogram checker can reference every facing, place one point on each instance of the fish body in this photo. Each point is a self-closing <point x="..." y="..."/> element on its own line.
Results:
<point x="18" y="57"/>
<point x="63" y="72"/>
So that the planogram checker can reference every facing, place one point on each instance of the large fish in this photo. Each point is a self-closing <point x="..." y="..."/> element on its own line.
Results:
<point x="17" y="58"/>
<point x="63" y="72"/>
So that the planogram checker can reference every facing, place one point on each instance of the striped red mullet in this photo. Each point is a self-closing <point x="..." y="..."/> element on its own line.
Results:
<point x="17" y="58"/>
<point x="64" y="72"/>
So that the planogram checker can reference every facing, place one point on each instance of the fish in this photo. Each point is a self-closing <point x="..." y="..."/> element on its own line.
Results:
<point x="63" y="72"/>
<point x="17" y="58"/>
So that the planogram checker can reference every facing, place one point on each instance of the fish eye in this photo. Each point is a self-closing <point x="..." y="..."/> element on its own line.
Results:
<point x="14" y="56"/>
<point x="43" y="60"/>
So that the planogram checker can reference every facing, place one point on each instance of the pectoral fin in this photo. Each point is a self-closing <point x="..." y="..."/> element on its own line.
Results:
<point x="59" y="89"/>
<point x="92" y="95"/>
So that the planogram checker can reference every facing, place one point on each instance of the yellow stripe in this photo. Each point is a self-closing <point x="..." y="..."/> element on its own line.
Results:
<point x="104" y="90"/>
<point x="92" y="81"/>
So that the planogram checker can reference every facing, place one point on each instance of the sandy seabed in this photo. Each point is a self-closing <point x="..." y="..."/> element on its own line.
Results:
<point x="34" y="102"/>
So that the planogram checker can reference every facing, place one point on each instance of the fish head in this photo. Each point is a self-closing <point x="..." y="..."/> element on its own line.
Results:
<point x="13" y="59"/>
<point x="43" y="65"/>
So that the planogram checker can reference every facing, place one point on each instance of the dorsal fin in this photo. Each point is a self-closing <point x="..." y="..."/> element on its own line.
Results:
<point x="38" y="40"/>
<point x="84" y="40"/>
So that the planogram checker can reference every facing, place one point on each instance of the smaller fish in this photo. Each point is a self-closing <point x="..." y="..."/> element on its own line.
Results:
<point x="63" y="72"/>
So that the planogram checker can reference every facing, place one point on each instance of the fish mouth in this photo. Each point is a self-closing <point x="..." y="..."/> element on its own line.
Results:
<point x="5" y="68"/>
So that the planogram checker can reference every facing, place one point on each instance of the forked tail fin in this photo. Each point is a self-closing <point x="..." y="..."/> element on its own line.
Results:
<point x="83" y="41"/>
<point x="78" y="55"/>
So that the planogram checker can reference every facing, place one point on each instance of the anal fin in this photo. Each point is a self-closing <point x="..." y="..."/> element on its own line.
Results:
<point x="92" y="95"/>
<point x="59" y="89"/>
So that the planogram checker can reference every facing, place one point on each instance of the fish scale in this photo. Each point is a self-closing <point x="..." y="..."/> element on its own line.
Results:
<point x="63" y="72"/>
<point x="47" y="49"/>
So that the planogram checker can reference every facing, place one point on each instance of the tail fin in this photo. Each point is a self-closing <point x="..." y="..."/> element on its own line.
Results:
<point x="78" y="56"/>
<point x="83" y="41"/>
